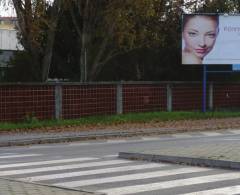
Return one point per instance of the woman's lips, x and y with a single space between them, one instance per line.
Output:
201 51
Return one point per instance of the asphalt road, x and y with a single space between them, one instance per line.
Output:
94 166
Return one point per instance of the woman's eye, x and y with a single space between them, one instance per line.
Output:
211 35
192 34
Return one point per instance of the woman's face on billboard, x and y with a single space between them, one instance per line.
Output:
199 34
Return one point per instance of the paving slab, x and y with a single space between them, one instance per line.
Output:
213 155
12 187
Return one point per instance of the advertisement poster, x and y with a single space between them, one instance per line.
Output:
210 39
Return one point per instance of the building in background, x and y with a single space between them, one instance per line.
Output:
8 42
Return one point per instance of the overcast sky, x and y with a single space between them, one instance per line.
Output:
9 11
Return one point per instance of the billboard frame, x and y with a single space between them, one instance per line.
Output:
205 71
204 14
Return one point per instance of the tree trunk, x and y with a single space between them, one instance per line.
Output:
46 62
27 15
47 58
82 59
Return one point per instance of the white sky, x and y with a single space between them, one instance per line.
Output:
6 12
9 11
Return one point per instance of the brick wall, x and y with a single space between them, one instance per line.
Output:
226 96
187 97
86 100
17 102
77 100
144 98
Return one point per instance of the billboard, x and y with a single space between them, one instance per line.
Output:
210 39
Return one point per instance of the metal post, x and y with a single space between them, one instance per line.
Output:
204 88
58 101
210 96
169 98
119 99
85 65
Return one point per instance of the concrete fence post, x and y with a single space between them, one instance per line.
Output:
119 98
58 101
169 98
210 96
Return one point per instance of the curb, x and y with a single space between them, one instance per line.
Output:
95 136
87 136
52 186
180 160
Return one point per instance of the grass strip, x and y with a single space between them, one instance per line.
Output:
118 119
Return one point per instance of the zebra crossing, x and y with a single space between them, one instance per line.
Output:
113 176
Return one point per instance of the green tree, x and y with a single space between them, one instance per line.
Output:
107 29
37 22
66 50
214 6
94 34
21 69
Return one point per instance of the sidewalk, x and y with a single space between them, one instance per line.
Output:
65 134
17 139
212 155
11 187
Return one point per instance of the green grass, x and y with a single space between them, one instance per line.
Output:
118 119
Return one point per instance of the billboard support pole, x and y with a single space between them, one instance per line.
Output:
204 99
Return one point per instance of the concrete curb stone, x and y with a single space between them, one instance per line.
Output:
181 160
32 185
19 140
60 137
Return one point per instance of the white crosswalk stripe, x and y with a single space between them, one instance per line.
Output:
62 167
116 141
19 156
219 191
130 177
171 184
49 162
93 172
150 138
114 176
182 135
211 133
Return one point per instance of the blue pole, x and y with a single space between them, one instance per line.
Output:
204 99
